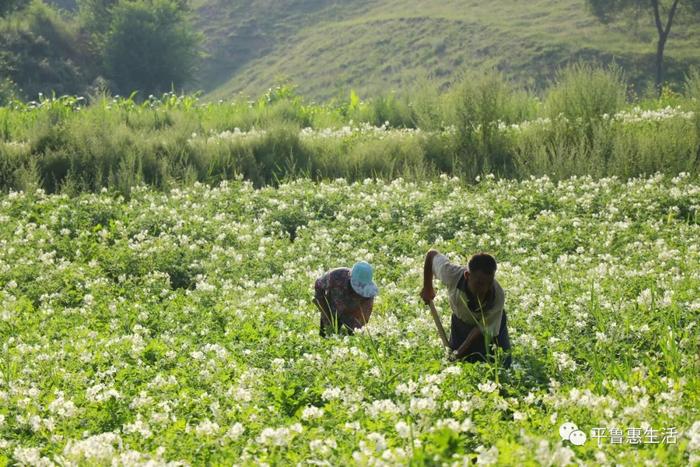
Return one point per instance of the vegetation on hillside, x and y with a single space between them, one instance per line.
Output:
328 47
325 47
664 12
146 46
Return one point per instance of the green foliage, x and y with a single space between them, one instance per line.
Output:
40 53
585 93
427 105
664 14
8 89
609 10
692 84
480 102
44 52
66 5
95 17
483 124
178 327
150 46
10 6
373 47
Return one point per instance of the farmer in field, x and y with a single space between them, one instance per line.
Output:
344 297
476 299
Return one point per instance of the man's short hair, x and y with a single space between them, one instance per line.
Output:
482 262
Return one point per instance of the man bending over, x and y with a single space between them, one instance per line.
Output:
476 299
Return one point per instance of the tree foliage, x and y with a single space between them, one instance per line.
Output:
39 54
150 45
9 6
664 13
95 15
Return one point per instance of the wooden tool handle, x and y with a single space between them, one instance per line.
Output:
438 324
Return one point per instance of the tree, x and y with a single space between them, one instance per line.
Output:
95 15
40 53
9 6
150 45
664 13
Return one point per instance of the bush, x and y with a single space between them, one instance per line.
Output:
584 92
478 103
10 6
150 46
692 85
8 90
427 106
40 54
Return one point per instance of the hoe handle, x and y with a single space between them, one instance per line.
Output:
438 324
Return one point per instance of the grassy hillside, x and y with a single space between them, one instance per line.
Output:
328 46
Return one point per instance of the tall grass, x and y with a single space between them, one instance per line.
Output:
476 126
478 103
692 91
584 93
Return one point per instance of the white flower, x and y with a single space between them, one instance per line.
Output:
31 456
406 388
553 418
100 392
562 456
63 408
323 447
564 361
354 426
645 298
487 387
139 426
382 406
403 429
378 440
207 428
693 434
331 393
422 404
487 456
205 286
235 431
279 436
95 448
311 412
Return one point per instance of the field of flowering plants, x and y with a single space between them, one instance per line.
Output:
177 327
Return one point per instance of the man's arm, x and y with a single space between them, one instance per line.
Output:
474 334
428 292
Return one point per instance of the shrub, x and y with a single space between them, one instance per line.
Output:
479 102
583 92
40 54
150 46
